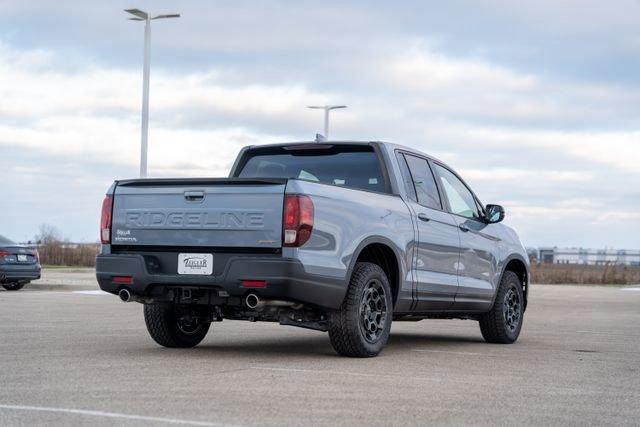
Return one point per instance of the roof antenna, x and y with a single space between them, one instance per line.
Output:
320 138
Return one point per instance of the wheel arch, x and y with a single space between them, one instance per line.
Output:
518 265
383 252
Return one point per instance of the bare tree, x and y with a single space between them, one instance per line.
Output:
48 234
56 250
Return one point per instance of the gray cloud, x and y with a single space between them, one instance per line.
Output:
512 96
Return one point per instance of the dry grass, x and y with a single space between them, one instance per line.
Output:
54 253
584 274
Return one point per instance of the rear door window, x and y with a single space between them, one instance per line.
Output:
424 182
406 177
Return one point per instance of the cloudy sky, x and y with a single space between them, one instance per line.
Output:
535 103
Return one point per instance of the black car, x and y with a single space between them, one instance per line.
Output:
19 265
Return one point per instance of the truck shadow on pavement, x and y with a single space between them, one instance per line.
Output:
306 346
400 339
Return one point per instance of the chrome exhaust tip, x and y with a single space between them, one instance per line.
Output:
125 295
252 301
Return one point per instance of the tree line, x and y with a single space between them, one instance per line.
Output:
56 250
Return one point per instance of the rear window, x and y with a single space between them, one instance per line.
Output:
345 166
5 241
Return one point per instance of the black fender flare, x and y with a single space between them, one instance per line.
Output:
384 241
507 260
368 241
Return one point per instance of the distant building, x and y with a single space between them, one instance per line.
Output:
557 255
533 255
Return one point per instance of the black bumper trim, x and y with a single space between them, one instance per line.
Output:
18 275
286 279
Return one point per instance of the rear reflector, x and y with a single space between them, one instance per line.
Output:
254 283
127 280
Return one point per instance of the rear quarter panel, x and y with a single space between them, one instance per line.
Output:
345 220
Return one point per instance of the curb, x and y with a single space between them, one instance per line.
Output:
59 287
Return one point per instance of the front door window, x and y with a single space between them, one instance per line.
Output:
460 198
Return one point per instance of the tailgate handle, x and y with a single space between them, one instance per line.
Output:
194 196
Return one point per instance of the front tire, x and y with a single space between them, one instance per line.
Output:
503 323
13 286
360 328
171 328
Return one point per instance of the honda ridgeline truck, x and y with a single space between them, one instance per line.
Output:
341 237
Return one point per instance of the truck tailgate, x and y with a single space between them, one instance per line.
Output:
224 212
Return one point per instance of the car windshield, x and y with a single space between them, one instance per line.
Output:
354 166
5 241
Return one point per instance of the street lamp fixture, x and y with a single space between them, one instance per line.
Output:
326 109
139 15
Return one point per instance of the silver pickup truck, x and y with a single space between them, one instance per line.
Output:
341 237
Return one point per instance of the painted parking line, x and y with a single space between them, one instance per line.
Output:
91 292
463 353
441 379
317 371
102 414
354 374
631 289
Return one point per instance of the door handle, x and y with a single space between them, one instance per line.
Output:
194 196
463 228
423 217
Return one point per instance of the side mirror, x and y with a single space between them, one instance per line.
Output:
494 213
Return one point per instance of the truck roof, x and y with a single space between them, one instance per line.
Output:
391 145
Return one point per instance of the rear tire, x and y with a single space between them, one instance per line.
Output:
171 328
503 323
360 328
13 286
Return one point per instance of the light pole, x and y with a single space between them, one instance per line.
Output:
144 16
326 109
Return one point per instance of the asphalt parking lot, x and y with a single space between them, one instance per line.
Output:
86 359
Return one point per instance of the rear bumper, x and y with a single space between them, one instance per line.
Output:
19 273
286 279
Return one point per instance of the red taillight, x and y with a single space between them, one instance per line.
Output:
253 283
297 222
105 220
4 254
